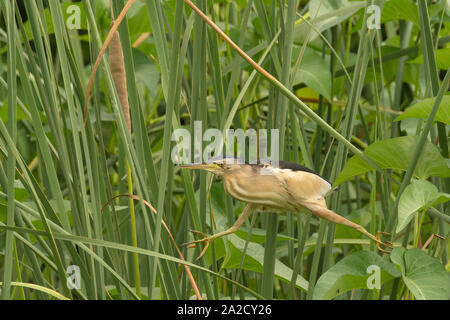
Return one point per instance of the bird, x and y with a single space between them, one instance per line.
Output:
266 186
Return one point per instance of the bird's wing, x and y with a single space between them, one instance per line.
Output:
303 185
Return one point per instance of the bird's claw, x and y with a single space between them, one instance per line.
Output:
205 239
380 243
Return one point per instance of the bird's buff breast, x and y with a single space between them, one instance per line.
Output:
265 191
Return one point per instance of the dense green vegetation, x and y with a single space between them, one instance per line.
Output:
358 91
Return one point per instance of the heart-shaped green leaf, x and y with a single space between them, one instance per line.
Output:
419 194
424 276
353 272
325 14
422 110
400 9
315 73
396 153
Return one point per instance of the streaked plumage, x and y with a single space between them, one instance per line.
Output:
286 187
274 189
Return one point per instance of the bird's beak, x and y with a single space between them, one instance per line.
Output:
201 166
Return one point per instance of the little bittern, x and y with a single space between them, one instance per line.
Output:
287 187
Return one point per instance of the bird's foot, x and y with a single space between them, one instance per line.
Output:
205 239
380 243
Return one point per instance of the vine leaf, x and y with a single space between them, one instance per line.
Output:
418 195
396 153
424 275
352 272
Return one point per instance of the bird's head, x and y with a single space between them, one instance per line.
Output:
219 165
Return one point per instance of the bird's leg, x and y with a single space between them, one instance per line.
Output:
379 242
208 239
318 207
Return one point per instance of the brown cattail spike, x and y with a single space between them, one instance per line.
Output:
117 66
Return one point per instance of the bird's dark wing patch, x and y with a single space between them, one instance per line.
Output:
294 166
